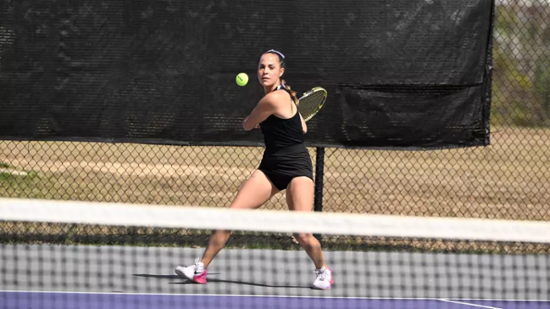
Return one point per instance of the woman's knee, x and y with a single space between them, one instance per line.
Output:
306 239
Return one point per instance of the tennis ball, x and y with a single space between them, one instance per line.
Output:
242 79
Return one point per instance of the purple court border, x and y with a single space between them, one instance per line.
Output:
70 300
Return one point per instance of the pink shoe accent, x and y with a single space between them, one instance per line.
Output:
200 278
331 279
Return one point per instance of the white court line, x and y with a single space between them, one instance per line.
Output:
502 300
468 304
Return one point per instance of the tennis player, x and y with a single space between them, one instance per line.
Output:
286 165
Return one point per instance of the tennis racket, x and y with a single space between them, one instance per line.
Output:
311 102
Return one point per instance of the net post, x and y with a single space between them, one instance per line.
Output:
319 174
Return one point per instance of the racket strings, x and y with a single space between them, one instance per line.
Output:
309 105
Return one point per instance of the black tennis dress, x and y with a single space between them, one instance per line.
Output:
285 155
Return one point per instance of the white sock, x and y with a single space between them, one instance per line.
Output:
200 268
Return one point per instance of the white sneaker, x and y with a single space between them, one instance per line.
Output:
324 279
195 273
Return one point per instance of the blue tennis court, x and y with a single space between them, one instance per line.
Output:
66 300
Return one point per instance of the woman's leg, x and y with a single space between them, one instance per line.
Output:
299 197
254 193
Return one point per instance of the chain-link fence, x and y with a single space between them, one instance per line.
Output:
510 179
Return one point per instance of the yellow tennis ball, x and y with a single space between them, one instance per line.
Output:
242 79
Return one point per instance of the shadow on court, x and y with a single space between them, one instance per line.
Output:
213 280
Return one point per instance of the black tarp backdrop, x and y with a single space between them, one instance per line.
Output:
400 74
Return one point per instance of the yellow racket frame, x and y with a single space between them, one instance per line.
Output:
320 104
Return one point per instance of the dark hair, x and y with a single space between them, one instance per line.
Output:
283 82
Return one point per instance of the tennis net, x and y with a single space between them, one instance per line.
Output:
68 254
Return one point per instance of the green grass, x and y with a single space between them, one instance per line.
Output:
65 234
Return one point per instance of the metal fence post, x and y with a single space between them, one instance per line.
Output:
319 174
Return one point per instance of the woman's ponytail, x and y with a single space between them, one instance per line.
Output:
289 90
